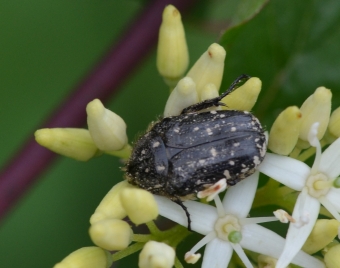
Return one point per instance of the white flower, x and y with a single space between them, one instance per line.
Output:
316 185
228 222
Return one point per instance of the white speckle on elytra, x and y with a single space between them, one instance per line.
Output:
213 152
244 170
201 161
256 160
213 112
160 168
155 144
227 174
236 144
196 128
146 170
143 151
222 115
209 131
176 130
231 162
233 129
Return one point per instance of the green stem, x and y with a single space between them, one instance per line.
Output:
178 264
153 228
175 235
128 251
295 153
141 238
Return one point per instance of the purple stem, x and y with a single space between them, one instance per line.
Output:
102 82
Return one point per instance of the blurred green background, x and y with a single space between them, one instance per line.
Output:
46 47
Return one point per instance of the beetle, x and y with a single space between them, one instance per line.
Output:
180 156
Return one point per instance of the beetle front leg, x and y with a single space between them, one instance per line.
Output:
216 101
178 201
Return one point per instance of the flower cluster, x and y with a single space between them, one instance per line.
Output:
296 134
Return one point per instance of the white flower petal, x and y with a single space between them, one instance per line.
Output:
330 160
261 240
239 198
305 207
202 216
333 196
217 254
290 172
240 252
329 206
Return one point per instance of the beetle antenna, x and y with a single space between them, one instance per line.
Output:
180 203
234 85
216 101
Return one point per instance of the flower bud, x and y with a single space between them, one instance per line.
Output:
110 206
182 96
208 92
208 68
156 255
334 123
285 131
107 129
75 143
266 261
87 257
332 257
244 97
317 108
172 51
140 205
323 233
111 234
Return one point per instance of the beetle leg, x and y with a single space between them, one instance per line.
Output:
216 101
180 203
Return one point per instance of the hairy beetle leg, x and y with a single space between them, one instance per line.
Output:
213 190
180 203
216 101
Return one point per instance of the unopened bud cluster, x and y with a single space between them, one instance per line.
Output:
203 82
108 230
106 133
290 129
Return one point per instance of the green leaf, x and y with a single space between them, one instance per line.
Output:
292 46
245 11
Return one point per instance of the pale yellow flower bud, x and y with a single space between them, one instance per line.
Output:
332 257
208 92
244 97
140 205
266 261
172 51
208 68
182 96
156 255
317 108
107 129
334 123
285 131
111 206
71 142
111 234
323 233
87 257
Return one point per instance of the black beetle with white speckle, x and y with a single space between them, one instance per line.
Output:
185 154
